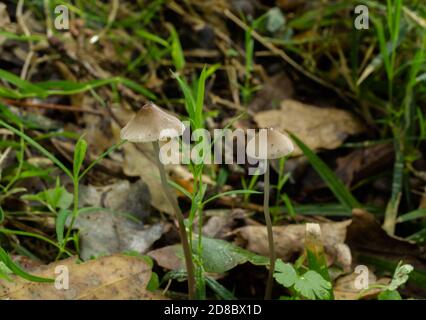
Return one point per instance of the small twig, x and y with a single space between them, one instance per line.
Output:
49 32
267 44
23 26
3 156
52 106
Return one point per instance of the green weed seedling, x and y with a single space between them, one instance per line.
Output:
303 285
399 278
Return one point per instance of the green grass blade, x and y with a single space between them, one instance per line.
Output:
25 86
152 37
229 193
99 158
342 193
41 149
2 215
4 257
413 215
220 290
177 52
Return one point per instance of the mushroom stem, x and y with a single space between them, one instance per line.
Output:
268 221
182 231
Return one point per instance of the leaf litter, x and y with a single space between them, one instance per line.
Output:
122 195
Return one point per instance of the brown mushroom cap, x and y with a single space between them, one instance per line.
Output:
277 145
150 124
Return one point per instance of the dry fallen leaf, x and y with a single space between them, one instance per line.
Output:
365 235
137 163
121 196
167 257
362 163
290 240
116 277
319 128
4 16
344 287
274 90
221 222
104 232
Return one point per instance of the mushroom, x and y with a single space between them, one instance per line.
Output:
277 145
151 124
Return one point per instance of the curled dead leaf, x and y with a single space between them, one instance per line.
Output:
318 128
290 241
116 277
345 287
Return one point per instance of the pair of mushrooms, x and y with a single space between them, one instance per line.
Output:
151 124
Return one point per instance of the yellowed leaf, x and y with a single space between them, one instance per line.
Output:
344 288
318 128
290 240
116 277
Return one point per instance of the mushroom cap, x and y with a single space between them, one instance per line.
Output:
150 124
275 146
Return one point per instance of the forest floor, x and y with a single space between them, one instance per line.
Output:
345 80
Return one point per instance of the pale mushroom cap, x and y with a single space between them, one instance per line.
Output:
150 124
269 144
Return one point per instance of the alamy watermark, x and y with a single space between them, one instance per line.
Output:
225 146
62 280
362 20
62 18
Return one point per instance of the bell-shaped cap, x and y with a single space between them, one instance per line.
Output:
269 144
150 124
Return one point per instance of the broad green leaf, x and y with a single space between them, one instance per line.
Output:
154 282
220 290
4 257
312 286
317 260
334 183
58 197
389 295
219 256
285 274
